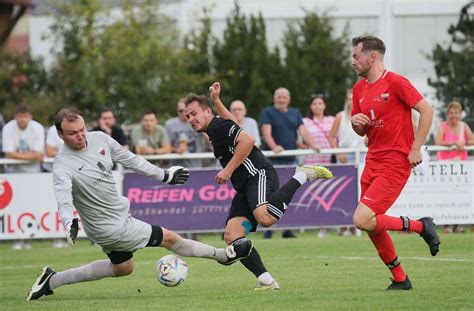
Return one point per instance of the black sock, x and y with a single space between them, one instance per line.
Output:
254 263
279 200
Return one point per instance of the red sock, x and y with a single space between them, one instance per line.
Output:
385 222
384 245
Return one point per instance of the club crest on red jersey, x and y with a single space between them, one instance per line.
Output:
385 96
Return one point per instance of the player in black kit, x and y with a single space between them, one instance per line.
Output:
259 199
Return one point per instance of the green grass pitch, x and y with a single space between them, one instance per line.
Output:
336 273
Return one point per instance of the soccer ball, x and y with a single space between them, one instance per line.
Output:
171 270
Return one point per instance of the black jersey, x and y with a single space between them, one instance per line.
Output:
223 135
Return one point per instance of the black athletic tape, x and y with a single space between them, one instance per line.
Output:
393 264
406 223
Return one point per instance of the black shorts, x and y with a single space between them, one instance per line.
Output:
256 191
119 257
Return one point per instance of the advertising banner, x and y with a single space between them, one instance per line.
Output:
444 191
203 205
28 207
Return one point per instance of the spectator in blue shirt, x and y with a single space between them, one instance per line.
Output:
280 126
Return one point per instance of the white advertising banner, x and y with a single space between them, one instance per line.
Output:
28 207
444 191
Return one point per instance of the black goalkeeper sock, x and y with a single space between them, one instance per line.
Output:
279 200
254 263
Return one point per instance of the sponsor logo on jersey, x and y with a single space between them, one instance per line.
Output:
374 122
101 166
106 174
381 98
372 114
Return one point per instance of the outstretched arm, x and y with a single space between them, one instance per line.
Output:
62 185
215 91
173 175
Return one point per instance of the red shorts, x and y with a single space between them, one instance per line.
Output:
383 180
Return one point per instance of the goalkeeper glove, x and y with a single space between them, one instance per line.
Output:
72 229
176 175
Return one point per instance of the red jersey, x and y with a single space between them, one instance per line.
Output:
388 103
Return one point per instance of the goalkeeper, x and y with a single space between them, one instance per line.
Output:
83 180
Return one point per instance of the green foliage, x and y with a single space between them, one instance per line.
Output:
196 57
317 62
243 64
126 63
136 60
454 64
23 79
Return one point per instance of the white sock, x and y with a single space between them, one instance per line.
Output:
265 278
94 271
301 177
191 248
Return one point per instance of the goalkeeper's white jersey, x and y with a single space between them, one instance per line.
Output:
83 179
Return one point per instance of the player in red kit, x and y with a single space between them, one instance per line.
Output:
382 110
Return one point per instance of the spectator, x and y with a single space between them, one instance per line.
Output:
149 137
239 111
183 138
23 139
318 124
456 134
53 142
280 126
342 135
107 124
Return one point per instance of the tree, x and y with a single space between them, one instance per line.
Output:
317 62
23 79
454 65
243 64
197 58
127 63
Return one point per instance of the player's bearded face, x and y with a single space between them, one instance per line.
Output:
360 61
198 117
74 133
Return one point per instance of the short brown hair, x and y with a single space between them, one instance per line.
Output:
68 114
455 105
202 100
148 111
22 108
369 43
105 110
